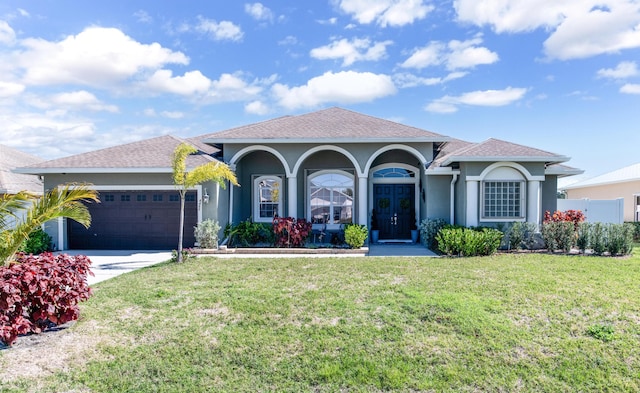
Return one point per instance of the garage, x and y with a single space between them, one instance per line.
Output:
135 220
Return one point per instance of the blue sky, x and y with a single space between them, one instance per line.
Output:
560 75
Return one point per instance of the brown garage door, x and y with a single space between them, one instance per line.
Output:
135 220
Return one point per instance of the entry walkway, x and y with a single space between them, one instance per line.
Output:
399 250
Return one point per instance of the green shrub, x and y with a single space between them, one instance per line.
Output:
429 229
598 238
206 233
619 239
521 235
636 229
584 234
468 242
248 233
355 235
559 235
38 242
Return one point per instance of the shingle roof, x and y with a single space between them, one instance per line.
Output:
329 124
626 174
10 182
493 149
149 154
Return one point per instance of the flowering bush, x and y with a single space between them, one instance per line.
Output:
557 234
39 291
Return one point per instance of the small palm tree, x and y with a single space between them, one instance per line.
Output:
64 201
183 179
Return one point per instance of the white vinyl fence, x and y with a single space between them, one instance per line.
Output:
596 210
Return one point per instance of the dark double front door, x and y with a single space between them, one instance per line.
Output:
395 209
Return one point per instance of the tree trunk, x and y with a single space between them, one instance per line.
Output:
181 234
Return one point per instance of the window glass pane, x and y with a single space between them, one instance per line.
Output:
331 199
502 199
269 194
393 173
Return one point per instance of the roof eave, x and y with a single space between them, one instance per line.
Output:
216 141
545 159
42 171
563 172
600 184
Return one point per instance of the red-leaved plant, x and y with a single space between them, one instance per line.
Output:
40 291
291 232
575 216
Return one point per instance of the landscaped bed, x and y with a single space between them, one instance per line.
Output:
508 322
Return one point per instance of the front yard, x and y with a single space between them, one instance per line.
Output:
511 322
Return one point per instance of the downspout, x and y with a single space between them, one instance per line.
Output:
453 199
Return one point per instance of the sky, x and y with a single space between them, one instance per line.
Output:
558 75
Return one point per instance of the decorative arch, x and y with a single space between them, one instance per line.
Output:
253 148
508 164
396 146
338 149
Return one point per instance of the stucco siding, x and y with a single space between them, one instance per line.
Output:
437 195
549 195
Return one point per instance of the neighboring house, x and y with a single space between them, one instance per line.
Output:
621 183
12 183
330 167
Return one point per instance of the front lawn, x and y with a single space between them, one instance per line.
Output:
512 322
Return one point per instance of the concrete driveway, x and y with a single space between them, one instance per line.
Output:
110 263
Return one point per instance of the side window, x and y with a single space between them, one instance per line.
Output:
267 198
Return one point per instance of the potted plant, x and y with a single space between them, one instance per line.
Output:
414 227
375 232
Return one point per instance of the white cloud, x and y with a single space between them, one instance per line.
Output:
450 104
233 87
454 56
346 87
142 16
578 29
405 80
82 99
256 108
8 89
172 114
221 31
150 112
190 83
95 57
386 12
623 70
630 88
7 35
288 40
358 49
258 12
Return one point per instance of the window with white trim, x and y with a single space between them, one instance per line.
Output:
503 199
267 198
330 196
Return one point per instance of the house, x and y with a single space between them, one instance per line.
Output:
621 183
12 183
330 167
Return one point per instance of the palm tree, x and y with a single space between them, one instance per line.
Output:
64 201
183 179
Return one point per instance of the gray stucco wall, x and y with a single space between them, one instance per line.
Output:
549 194
438 191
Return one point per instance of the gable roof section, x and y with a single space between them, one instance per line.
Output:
499 150
149 155
12 183
627 174
330 125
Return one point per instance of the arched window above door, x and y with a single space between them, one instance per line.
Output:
394 172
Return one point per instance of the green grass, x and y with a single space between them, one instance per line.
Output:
515 322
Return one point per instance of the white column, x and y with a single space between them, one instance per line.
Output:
533 202
231 188
292 196
472 203
362 201
61 236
